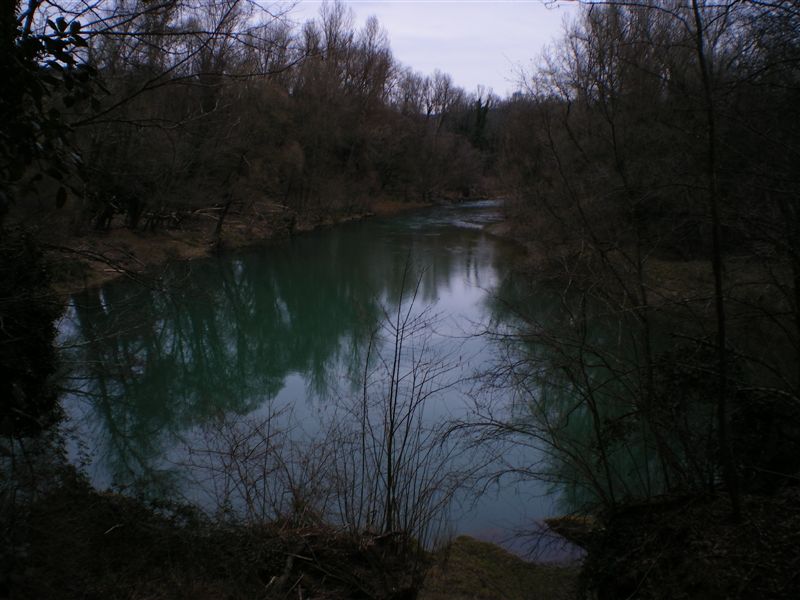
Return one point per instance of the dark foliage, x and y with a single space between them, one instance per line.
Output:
27 355
690 548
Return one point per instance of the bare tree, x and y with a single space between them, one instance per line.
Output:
612 186
381 466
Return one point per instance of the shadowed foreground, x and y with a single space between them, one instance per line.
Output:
75 542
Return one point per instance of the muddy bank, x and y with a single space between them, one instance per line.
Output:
96 257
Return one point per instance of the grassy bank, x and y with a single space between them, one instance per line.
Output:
469 569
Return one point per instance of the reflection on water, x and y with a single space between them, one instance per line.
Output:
610 429
287 325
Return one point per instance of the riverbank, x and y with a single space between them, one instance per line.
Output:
70 541
469 569
96 257
690 544
691 547
672 282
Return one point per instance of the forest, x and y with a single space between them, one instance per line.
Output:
647 168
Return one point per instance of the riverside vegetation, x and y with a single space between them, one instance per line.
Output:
650 168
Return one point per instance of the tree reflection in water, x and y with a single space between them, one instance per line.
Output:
284 325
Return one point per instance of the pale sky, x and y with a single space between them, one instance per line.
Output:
475 41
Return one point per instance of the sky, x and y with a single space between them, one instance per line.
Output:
483 42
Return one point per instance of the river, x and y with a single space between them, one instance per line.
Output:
288 333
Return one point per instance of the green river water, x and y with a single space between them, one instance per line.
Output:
287 325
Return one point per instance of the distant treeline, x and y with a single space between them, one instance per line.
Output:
645 109
186 105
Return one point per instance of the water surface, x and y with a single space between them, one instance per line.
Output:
285 325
